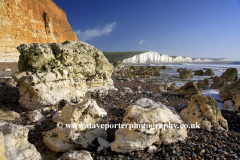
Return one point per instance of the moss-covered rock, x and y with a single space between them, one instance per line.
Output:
205 111
230 75
148 70
55 72
199 72
218 82
164 67
118 64
173 87
185 74
228 92
206 83
181 69
188 90
132 67
209 72
237 101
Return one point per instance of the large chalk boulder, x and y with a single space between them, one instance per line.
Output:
205 111
135 136
14 144
79 126
161 88
55 72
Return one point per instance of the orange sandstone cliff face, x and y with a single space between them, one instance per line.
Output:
31 21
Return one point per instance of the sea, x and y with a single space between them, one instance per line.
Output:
172 76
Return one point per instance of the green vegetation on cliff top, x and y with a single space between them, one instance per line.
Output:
119 56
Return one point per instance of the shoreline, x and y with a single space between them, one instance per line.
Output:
180 63
199 143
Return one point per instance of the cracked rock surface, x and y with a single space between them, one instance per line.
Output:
50 74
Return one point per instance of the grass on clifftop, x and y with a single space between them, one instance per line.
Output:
119 56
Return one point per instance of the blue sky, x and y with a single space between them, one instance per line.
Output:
194 28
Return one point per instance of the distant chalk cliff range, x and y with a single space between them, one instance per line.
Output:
154 57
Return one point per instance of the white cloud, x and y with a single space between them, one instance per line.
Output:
96 32
175 44
141 42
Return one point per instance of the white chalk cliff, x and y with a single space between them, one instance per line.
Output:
201 60
154 57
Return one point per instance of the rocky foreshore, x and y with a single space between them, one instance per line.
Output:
71 84
200 143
